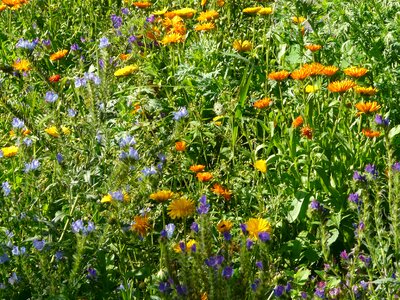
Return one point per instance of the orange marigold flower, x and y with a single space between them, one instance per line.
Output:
263 103
3 7
220 190
307 132
370 133
197 168
22 65
204 176
341 86
368 91
123 56
297 122
367 107
279 75
298 20
161 196
208 15
252 10
58 55
142 4
172 38
242 46
300 74
55 78
224 226
313 47
141 225
220 3
314 68
329 70
355 72
204 27
180 146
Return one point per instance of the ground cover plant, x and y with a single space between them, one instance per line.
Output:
203 150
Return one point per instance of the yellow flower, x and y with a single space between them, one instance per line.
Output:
9 151
217 121
204 176
160 12
307 132
265 11
204 27
107 198
208 15
188 246
261 165
220 3
185 12
172 39
181 208
141 225
22 65
355 72
3 7
65 130
224 226
242 46
161 196
367 107
255 226
329 70
311 89
58 55
369 91
125 71
298 20
252 10
52 131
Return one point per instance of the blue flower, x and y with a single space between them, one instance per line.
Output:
17 123
259 265
127 141
80 82
13 278
39 245
33 165
204 207
214 261
5 186
118 195
371 169
181 113
125 11
4 258
379 120
59 255
358 177
116 21
50 97
77 226
75 47
169 230
354 198
92 274
195 227
315 205
279 290
396 167
227 236
59 158
164 287
182 290
264 236
28 142
227 272
25 44
149 171
344 255
72 112
249 244
255 284
104 43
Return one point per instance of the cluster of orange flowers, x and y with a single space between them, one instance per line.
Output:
12 4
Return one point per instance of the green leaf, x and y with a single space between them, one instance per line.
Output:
334 235
394 131
301 277
299 204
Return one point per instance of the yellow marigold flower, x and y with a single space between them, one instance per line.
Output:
126 196
329 70
58 55
26 132
203 2
65 130
141 225
197 168
279 75
12 133
263 103
341 86
355 72
220 3
125 71
307 132
313 47
172 38
216 120
204 296
22 65
144 4
265 11
208 15
162 196
298 20
368 91
9 151
204 27
220 190
255 226
261 165
106 199
188 246
242 46
180 146
252 10
160 12
367 107
3 7
370 133
185 12
311 89
224 226
297 122
52 131
204 176
181 208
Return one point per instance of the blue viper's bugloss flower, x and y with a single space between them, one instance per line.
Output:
259 265
59 158
214 261
249 244
39 245
227 236
116 21
75 47
194 227
4 258
255 284
46 43
127 141
181 113
243 227
344 255
17 123
181 290
147 171
315 205
204 207
27 141
354 198
358 177
25 44
125 11
33 165
5 186
303 295
396 167
371 169
104 43
264 236
18 251
169 230
72 112
50 97
279 290
91 273
59 255
164 287
150 19
118 195
80 82
13 278
227 272
78 227
379 120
